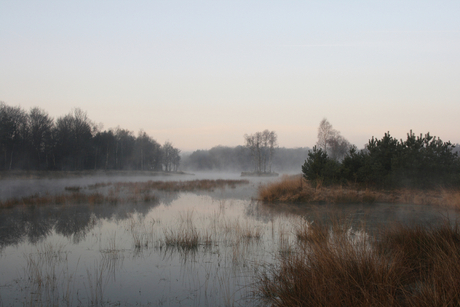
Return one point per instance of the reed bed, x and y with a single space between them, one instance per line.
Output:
182 238
179 186
136 192
295 189
403 266
62 199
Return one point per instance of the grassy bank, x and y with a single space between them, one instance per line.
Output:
295 189
403 266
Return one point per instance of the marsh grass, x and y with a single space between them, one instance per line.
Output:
142 232
48 280
73 188
197 239
96 284
295 189
59 199
47 276
312 232
404 266
179 186
451 198
50 253
135 192
184 238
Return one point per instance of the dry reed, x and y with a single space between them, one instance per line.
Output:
179 186
295 189
405 266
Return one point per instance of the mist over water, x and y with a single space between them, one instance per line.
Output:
131 252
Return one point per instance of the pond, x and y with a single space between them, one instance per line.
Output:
194 248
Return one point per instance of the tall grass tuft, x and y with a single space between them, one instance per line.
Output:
404 266
295 189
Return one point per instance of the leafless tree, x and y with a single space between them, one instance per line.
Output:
176 159
330 140
171 157
338 147
13 132
325 133
262 146
250 143
273 144
40 134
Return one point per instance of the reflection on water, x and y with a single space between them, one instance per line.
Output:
183 249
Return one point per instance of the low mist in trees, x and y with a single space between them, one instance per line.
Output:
260 153
34 141
240 158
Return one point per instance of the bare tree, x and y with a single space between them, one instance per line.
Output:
273 144
330 140
13 132
176 159
125 145
250 143
338 147
40 134
74 133
265 149
262 146
325 132
171 157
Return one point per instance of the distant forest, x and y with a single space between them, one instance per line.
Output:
35 141
240 158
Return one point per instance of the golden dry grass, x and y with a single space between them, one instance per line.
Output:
406 266
295 189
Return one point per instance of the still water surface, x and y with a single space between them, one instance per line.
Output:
131 254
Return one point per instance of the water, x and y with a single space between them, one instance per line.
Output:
137 253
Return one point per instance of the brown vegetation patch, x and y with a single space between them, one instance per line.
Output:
137 192
295 189
179 186
406 266
60 199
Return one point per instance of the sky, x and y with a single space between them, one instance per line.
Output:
204 73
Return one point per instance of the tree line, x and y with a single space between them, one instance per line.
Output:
422 161
240 158
35 141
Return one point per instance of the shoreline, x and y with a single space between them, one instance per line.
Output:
21 174
295 190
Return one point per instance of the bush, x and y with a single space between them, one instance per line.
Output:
419 162
320 169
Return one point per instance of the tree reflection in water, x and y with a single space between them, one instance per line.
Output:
34 223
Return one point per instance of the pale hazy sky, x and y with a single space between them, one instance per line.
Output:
204 73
